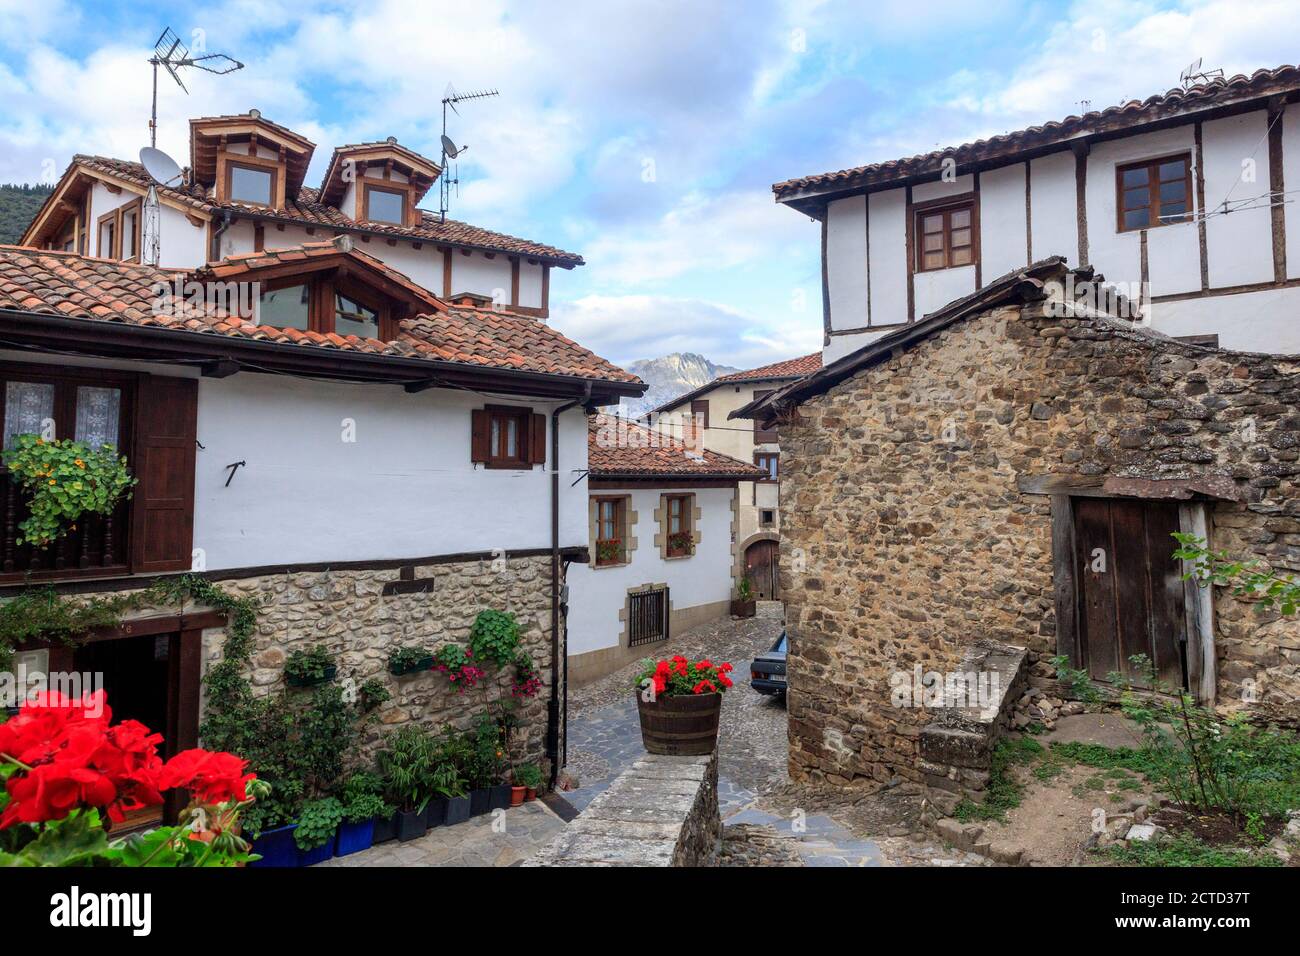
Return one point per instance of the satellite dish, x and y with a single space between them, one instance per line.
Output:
161 168
449 147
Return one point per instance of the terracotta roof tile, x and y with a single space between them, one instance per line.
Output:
1131 113
618 448
104 290
790 368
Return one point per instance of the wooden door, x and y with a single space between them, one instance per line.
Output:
1130 589
762 562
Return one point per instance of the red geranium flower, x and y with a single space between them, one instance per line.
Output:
706 687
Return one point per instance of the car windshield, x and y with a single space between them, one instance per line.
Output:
780 645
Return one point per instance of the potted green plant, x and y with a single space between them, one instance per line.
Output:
487 759
362 807
410 659
310 667
679 702
65 479
744 605
530 777
317 827
681 543
407 766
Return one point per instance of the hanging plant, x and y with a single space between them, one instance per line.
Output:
65 480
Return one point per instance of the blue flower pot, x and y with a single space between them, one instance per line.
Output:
276 847
501 796
385 828
480 801
355 837
318 855
457 810
435 812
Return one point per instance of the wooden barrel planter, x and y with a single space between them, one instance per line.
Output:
680 726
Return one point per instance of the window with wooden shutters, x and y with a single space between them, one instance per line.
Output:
503 436
611 531
90 406
165 442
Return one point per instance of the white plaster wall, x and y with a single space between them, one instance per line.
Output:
530 285
846 262
1002 221
842 345
182 245
939 189
477 273
1239 246
1054 220
933 290
597 594
1173 251
1263 321
1291 178
888 216
404 488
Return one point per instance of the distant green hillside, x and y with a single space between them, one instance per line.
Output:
18 205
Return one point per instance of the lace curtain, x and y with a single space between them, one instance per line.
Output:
29 406
97 415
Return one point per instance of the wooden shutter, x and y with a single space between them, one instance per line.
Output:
480 435
166 427
537 440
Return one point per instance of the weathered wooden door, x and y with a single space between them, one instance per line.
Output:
762 563
1130 588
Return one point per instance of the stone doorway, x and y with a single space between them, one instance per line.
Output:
762 566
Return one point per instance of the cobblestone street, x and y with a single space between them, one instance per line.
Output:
768 821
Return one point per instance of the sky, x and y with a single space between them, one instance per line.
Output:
644 135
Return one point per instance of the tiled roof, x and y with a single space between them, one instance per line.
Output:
66 284
790 368
618 448
307 210
1132 113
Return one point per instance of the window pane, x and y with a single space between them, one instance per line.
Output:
1136 219
933 242
1173 192
128 234
960 218
1137 198
250 185
934 260
383 206
1175 170
284 308
1135 177
105 250
962 256
1170 212
353 318
29 406
932 223
960 237
97 416
512 438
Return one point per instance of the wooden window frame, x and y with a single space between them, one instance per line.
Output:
1152 166
945 207
523 419
66 381
228 161
321 289
384 186
763 436
761 456
621 505
687 516
700 405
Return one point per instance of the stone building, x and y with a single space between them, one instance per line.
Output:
951 487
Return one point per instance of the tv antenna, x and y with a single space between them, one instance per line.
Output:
449 148
173 56
1194 75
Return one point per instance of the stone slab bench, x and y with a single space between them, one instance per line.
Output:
661 811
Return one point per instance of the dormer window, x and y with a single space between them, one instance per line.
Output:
385 205
325 303
353 318
250 184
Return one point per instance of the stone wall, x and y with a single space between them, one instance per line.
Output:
906 536
661 811
347 612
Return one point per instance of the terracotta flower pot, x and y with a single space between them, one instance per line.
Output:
517 795
680 726
532 793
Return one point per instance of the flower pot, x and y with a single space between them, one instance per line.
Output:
435 812
295 681
517 795
423 664
457 810
317 855
276 847
501 796
354 837
410 824
680 726
480 801
744 608
385 828
532 793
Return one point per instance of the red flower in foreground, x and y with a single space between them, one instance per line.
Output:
706 687
210 777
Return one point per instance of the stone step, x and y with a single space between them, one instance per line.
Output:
774 610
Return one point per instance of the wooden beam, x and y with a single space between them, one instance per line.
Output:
1210 485
1200 208
1064 586
1198 608
514 280
1277 186
1080 150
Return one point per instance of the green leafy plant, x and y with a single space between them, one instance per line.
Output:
681 543
43 615
1077 683
1183 850
1002 793
1253 579
409 659
745 589
318 823
529 775
408 766
494 636
363 798
487 753
65 479
310 666
610 551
